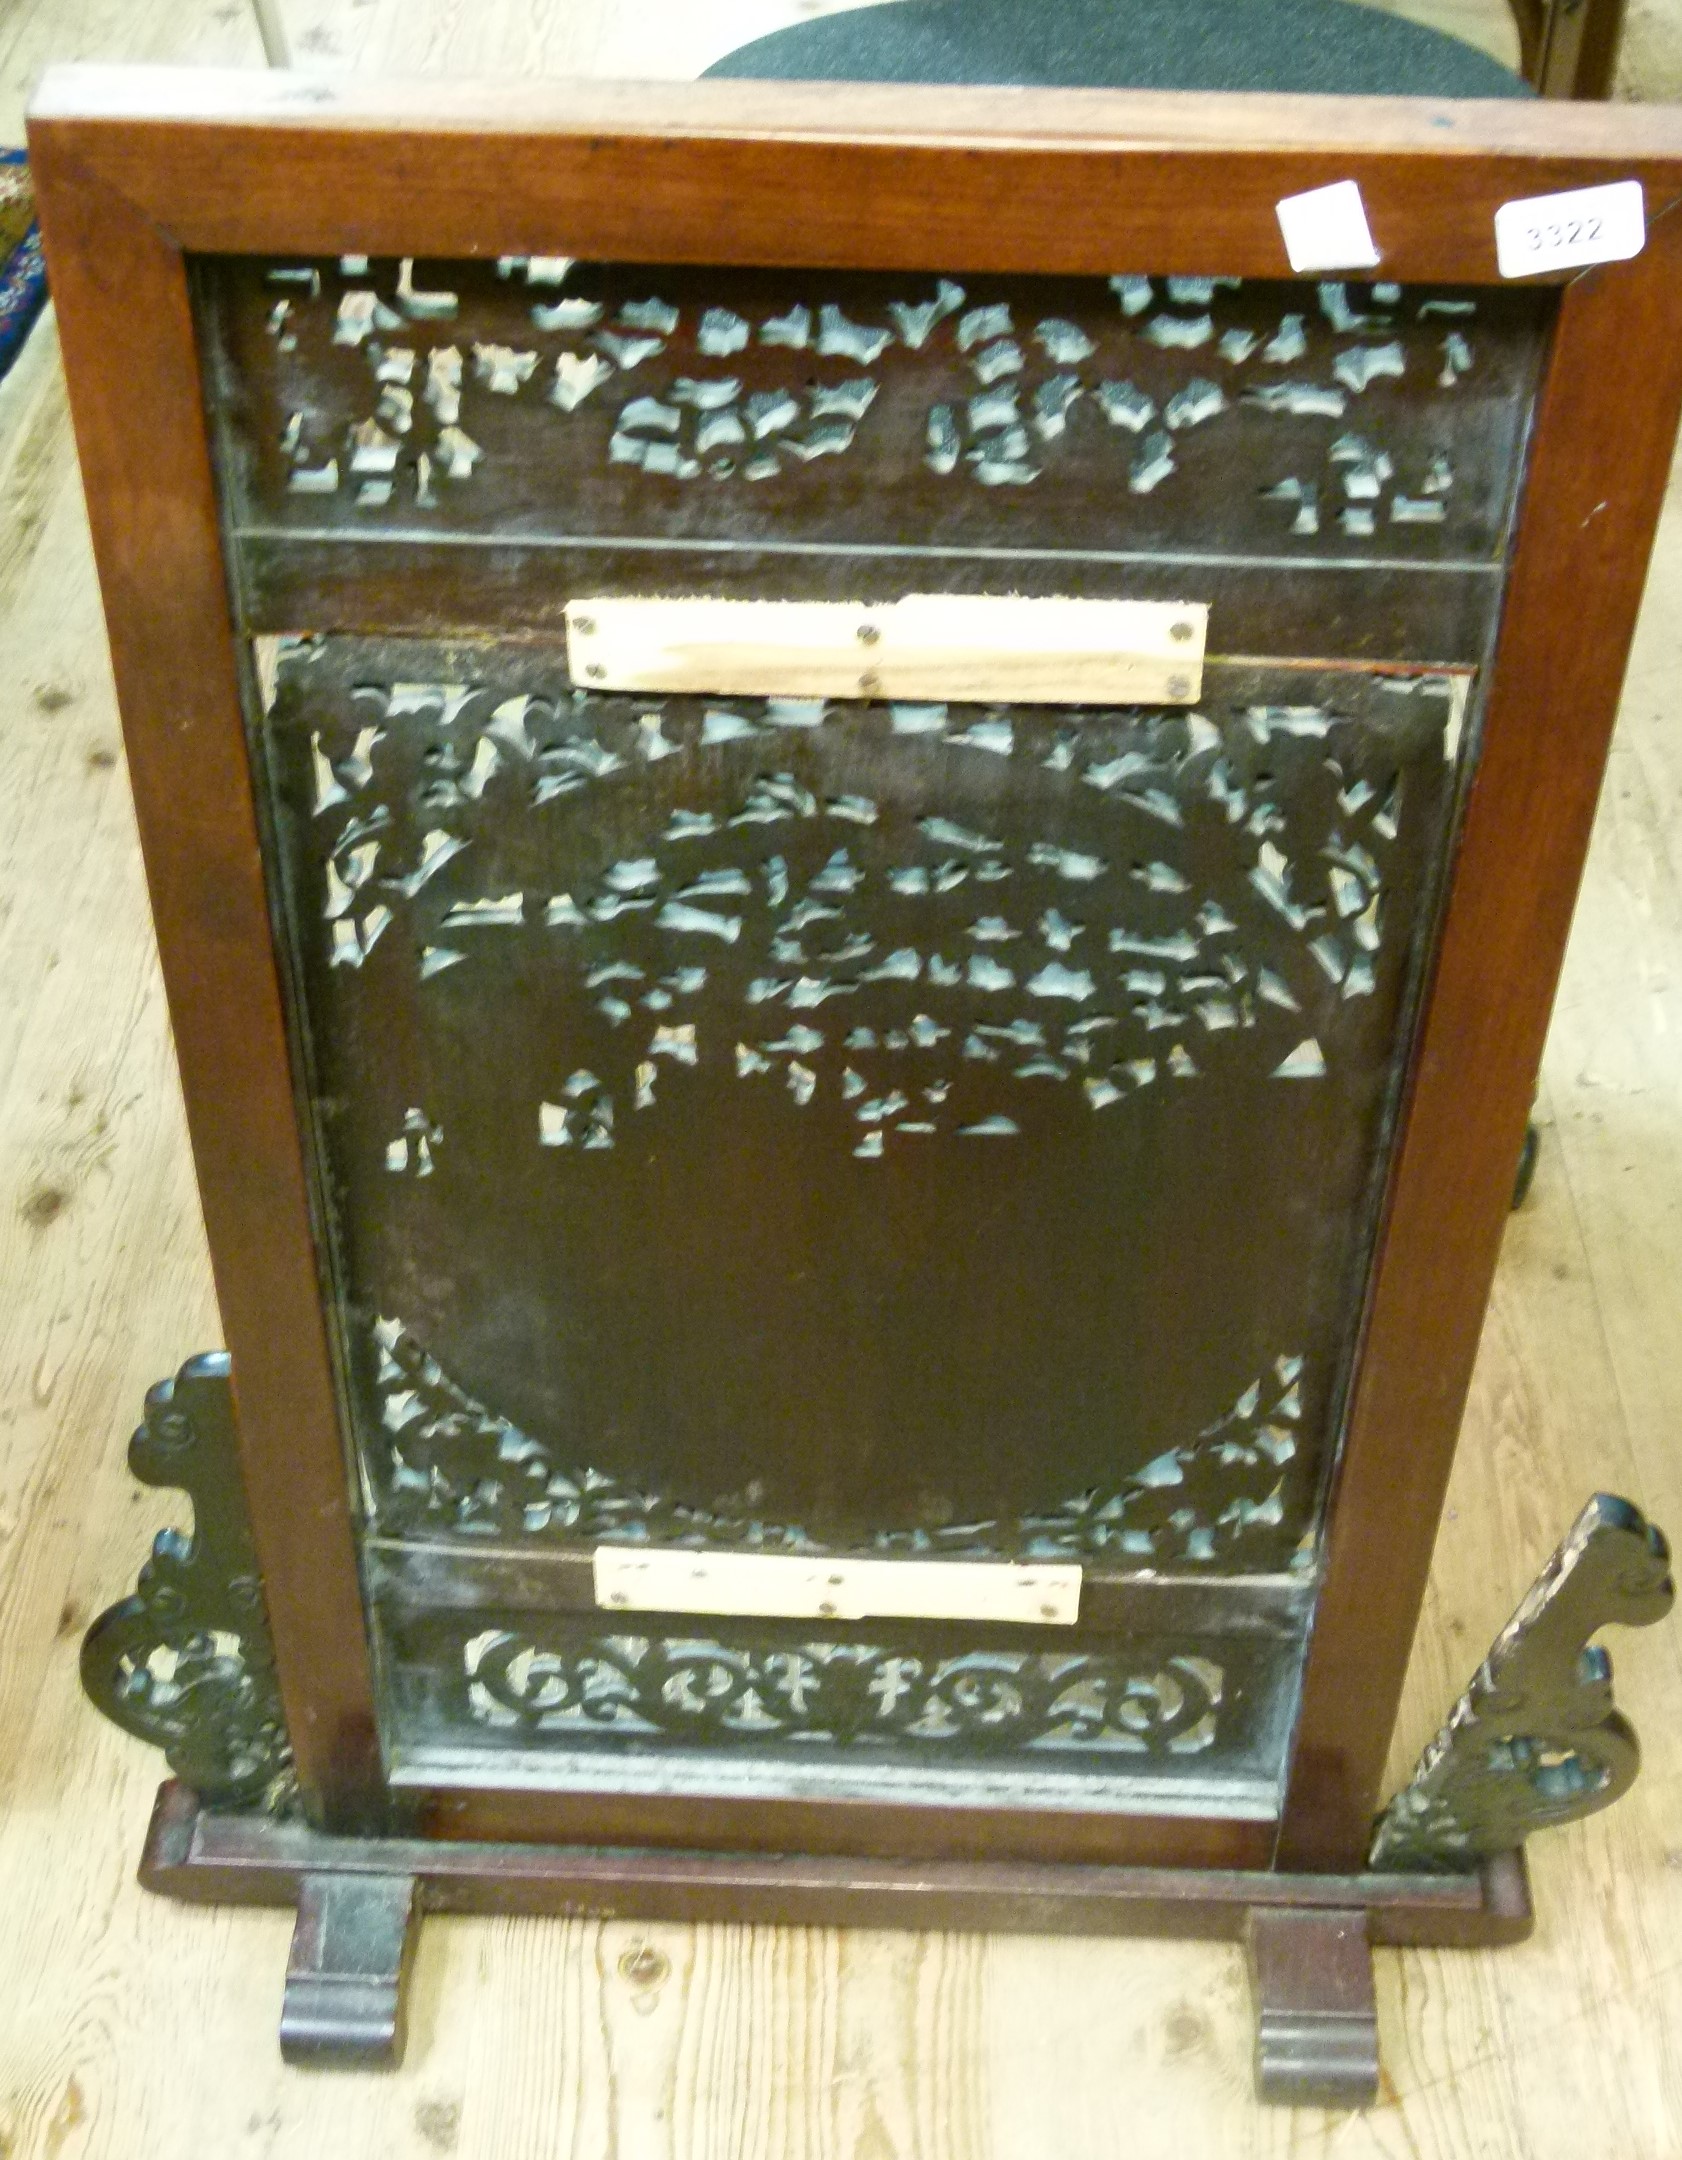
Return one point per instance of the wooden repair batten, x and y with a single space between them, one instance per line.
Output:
968 648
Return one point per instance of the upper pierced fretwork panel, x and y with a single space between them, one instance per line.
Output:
539 400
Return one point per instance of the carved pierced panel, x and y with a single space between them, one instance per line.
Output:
841 1694
186 1662
1171 1705
448 1462
1535 1740
535 397
877 1127
881 1127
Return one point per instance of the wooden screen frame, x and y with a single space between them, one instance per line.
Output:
137 168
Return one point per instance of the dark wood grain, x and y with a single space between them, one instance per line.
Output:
881 1829
1316 2013
1603 440
128 345
347 1975
207 1858
1370 615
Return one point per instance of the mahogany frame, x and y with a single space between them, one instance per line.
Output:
137 169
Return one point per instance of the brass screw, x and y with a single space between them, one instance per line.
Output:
1179 631
1048 1612
1179 686
584 625
868 633
870 682
595 672
826 1610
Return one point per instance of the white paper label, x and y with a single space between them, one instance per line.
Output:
1562 232
631 1578
1327 229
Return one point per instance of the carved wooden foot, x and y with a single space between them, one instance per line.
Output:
1316 2014
348 1973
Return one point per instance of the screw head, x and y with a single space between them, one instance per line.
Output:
595 672
1179 686
1179 632
868 633
585 625
870 682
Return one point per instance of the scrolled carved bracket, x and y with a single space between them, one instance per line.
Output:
186 1662
1535 1740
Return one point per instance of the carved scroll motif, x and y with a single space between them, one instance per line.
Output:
186 1663
843 1693
1535 1739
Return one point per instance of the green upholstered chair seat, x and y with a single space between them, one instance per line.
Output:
1283 45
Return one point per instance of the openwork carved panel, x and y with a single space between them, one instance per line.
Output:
992 1092
842 1694
745 408
1535 1739
453 1464
933 1129
186 1662
1174 1703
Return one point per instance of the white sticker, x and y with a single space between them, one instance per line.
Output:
1327 229
1561 232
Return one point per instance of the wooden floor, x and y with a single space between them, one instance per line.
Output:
133 2028
633 38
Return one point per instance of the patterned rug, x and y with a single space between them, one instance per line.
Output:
23 274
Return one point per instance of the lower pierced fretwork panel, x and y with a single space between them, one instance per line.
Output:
1156 1720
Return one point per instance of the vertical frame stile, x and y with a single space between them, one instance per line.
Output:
1600 456
121 290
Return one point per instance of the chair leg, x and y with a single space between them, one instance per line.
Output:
1526 1173
1578 54
272 31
